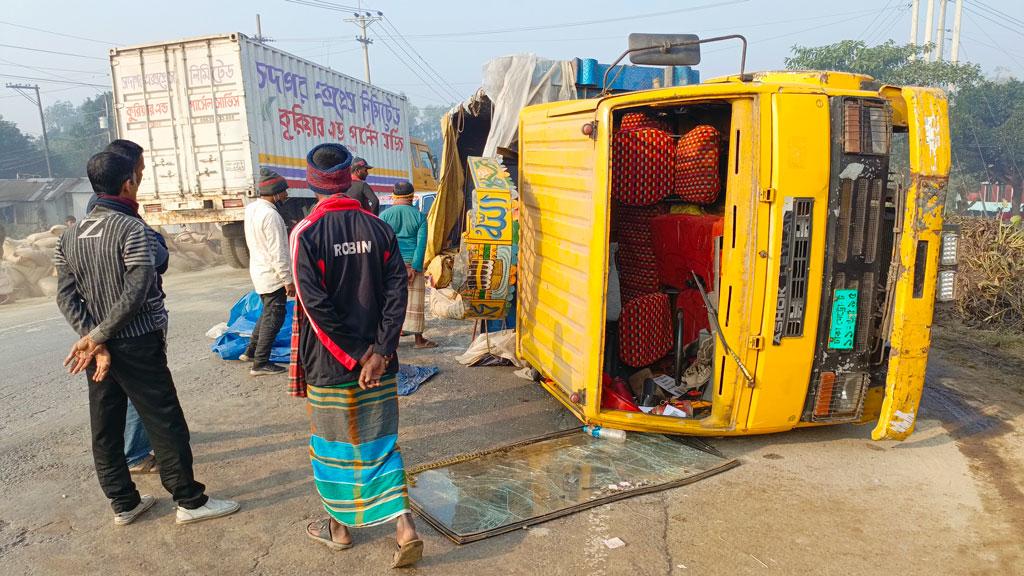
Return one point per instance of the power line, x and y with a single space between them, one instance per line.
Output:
55 90
996 12
979 42
997 46
37 79
880 33
436 74
842 20
413 70
74 70
38 70
582 22
873 20
1016 31
588 38
395 42
30 49
105 42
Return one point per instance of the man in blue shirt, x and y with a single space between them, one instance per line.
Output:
410 226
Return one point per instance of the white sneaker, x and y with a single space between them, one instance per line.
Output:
243 357
212 509
125 518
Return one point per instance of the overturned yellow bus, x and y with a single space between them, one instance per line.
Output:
751 224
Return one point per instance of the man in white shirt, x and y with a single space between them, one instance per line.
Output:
270 269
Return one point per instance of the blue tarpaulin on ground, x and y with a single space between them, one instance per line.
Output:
241 321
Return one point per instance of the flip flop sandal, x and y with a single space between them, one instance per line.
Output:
147 466
324 536
408 554
425 345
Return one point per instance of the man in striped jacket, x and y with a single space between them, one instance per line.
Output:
107 292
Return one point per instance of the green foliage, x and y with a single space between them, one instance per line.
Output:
75 134
988 129
986 117
426 125
19 153
901 65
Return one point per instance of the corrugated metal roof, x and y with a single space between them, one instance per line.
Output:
41 189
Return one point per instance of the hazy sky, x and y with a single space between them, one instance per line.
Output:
456 38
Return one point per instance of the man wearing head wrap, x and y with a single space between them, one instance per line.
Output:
269 268
410 226
350 290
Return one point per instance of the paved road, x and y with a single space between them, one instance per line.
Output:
824 501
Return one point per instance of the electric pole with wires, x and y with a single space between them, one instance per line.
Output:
22 89
364 20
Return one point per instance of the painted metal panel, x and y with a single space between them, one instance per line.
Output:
296 105
799 169
211 111
563 249
928 124
184 102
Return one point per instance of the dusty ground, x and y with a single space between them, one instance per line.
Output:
827 501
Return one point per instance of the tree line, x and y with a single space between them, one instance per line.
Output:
986 116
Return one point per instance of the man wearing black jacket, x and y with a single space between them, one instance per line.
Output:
360 189
351 289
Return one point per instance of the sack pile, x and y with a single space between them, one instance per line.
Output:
27 267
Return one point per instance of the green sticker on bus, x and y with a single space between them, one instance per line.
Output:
844 320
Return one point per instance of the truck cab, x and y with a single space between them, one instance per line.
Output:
750 224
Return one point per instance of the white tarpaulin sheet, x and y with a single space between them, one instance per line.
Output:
514 82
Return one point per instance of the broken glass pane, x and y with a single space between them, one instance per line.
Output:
509 488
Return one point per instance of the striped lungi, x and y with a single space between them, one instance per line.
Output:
357 466
414 321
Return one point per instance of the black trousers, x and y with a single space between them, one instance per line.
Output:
267 326
138 371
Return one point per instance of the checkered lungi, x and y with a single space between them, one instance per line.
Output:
414 309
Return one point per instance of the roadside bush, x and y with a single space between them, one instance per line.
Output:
990 281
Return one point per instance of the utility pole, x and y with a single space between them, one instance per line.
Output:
364 21
929 17
955 51
42 121
259 32
940 32
107 116
915 9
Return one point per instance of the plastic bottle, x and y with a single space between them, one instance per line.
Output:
605 433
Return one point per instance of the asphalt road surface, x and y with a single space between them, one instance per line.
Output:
822 501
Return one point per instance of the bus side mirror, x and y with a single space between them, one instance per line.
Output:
664 49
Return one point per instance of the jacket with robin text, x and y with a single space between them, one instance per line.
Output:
351 281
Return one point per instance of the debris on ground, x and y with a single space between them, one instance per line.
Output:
613 543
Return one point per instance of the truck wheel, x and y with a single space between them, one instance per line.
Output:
236 253
233 230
